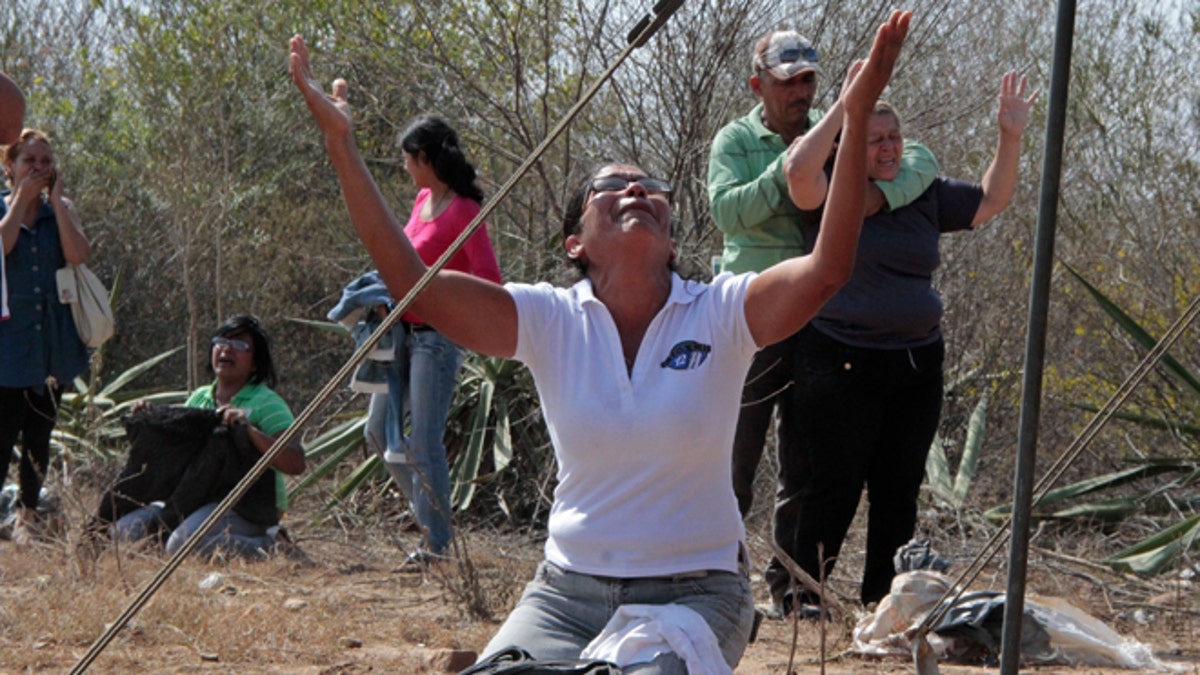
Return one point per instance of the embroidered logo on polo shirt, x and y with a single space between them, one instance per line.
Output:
686 355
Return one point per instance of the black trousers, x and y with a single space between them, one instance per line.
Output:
866 418
768 384
28 414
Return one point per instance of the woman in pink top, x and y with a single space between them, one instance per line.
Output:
426 367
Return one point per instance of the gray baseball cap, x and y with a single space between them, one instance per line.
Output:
786 54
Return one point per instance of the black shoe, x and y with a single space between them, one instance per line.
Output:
286 546
759 615
805 611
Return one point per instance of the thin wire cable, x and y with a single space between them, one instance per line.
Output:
1059 467
645 29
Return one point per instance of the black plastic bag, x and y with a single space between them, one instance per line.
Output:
517 661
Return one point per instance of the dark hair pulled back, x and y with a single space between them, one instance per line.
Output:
438 140
248 324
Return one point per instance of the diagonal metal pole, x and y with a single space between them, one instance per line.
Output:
1035 339
642 32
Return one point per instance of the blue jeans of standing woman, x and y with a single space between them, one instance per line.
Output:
420 382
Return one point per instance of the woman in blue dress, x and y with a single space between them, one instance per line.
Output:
40 349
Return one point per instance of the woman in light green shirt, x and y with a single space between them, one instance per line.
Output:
241 393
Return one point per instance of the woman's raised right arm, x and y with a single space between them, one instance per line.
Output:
806 157
474 313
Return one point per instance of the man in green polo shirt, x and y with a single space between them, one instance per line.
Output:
748 194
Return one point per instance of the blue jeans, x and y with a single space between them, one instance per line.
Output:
420 382
560 612
137 525
232 534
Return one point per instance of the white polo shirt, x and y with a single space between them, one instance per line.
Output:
644 484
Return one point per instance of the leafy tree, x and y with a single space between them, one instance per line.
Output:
203 184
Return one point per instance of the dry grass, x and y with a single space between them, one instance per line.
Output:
343 610
346 610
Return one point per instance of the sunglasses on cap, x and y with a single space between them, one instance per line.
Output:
239 345
794 54
654 186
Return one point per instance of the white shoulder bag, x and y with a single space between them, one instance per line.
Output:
80 288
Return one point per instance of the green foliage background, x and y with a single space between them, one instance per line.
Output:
202 181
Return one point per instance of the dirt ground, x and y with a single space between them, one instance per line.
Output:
344 608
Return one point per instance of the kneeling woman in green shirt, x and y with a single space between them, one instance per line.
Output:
241 361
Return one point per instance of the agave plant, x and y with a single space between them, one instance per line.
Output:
89 418
1156 553
951 491
487 394
1051 505
329 450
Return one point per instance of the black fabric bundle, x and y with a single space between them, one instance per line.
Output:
185 458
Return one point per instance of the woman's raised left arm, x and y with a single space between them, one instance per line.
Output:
1000 181
475 313
783 298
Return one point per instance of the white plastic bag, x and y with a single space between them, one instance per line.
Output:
1076 638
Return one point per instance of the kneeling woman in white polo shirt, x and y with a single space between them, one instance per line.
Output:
639 373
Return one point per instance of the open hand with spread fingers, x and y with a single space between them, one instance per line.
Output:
332 111
858 98
1014 105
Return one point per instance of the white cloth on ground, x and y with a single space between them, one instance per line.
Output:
638 633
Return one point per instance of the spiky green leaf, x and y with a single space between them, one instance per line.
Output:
467 466
327 326
937 473
1152 555
976 428
131 374
1135 330
1104 482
